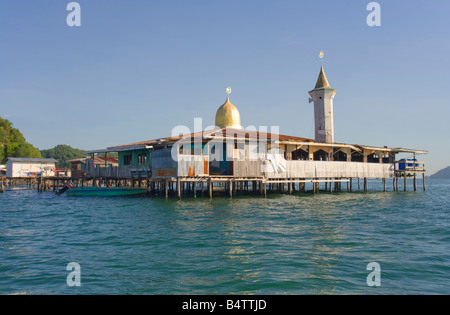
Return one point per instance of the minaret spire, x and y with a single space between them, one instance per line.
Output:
322 81
323 96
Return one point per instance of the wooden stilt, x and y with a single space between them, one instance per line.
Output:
230 188
179 188
166 187
194 184
423 182
265 189
210 188
404 181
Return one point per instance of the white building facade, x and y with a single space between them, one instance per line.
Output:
27 167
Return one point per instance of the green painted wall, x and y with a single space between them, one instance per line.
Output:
135 157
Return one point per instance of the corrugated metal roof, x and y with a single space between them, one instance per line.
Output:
221 133
97 160
31 160
227 133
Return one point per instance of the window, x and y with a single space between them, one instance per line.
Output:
142 159
127 159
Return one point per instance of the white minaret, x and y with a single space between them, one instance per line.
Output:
323 96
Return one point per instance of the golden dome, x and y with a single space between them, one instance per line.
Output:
228 116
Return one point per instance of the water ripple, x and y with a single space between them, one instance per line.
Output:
298 244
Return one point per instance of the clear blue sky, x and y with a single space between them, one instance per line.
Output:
135 69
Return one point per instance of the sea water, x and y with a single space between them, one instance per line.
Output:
283 244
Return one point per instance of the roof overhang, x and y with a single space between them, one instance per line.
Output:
393 150
121 149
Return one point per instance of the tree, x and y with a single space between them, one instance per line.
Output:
63 153
13 144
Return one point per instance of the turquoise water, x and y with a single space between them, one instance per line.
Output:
299 244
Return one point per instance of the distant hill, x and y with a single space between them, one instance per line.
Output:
442 174
63 153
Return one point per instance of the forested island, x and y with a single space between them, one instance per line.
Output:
13 144
442 174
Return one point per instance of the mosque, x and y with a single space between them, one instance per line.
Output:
231 154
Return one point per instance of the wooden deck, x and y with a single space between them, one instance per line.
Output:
250 178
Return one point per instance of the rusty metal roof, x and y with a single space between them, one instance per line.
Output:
217 133
97 160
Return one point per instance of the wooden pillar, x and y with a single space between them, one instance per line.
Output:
423 181
265 189
384 184
2 188
179 188
166 187
203 188
194 184
404 181
359 186
230 188
366 185
415 182
210 184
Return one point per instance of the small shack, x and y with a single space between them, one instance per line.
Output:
78 166
29 167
